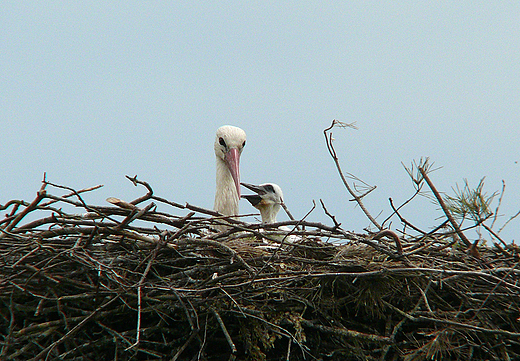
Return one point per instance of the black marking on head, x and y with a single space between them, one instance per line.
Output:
269 188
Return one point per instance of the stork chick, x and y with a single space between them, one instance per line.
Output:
268 200
229 143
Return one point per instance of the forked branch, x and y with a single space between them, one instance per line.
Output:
357 197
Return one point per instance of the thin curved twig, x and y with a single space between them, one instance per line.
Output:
333 154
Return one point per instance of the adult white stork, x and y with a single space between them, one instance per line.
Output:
229 143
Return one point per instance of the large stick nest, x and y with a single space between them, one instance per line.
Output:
128 282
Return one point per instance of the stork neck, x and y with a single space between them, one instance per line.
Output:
269 213
226 196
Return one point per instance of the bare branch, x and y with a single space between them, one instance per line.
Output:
332 152
454 224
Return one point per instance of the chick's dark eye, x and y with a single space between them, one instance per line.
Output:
244 144
222 142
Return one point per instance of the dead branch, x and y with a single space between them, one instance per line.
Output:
444 208
333 154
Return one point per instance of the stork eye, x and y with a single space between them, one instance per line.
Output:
244 144
269 188
222 142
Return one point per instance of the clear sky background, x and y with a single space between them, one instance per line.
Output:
92 91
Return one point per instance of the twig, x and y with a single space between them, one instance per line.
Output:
487 274
444 208
165 201
220 245
39 196
346 333
509 220
452 323
332 152
186 312
479 309
401 218
183 347
494 234
139 292
147 196
224 330
136 214
499 203
5 346
398 327
82 203
424 297
336 223
391 234
203 344
113 332
284 206
72 193
45 352
289 343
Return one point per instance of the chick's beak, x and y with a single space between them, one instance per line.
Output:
254 188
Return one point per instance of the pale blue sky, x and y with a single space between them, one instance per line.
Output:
93 90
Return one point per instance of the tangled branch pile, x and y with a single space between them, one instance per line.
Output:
130 282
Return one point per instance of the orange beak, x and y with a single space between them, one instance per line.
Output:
233 163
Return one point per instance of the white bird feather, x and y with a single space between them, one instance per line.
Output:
229 143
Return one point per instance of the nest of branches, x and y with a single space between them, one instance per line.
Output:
127 281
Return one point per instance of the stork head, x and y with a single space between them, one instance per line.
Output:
229 143
268 200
